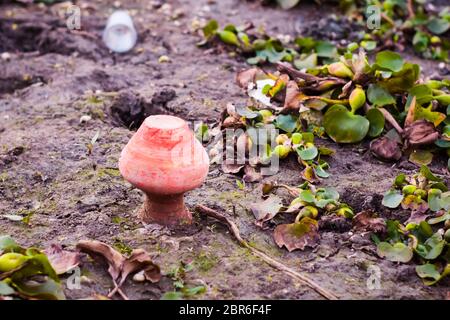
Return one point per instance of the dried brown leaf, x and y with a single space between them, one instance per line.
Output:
386 149
113 257
62 260
420 132
298 235
367 221
266 210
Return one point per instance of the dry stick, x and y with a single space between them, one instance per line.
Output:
389 118
118 290
269 260
410 9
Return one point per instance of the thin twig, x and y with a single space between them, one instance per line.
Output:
410 9
117 290
389 118
389 20
269 260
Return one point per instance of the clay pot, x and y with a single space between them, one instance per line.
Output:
164 160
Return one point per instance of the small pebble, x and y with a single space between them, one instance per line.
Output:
85 118
6 56
164 59
139 277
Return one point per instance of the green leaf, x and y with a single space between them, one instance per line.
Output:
8 244
441 143
307 196
229 37
426 172
421 157
420 41
438 26
327 193
428 271
432 248
392 198
389 60
210 28
399 252
308 62
308 153
190 292
379 96
400 180
434 199
172 295
286 122
393 230
344 127
422 92
376 120
403 80
320 172
428 114
325 49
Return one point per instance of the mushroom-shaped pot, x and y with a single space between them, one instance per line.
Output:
164 160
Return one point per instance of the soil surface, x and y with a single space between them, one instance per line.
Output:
54 77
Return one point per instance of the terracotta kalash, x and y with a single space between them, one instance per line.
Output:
164 160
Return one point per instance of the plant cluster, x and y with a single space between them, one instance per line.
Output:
178 275
310 204
259 48
426 236
353 99
420 192
295 138
398 23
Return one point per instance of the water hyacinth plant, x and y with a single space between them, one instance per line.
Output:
352 99
310 204
426 234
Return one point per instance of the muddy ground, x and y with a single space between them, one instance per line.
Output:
47 174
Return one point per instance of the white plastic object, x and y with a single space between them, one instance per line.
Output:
119 34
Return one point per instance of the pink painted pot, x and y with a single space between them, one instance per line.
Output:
164 159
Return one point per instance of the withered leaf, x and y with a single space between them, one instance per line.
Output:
232 167
251 175
113 257
367 221
267 209
417 216
420 132
140 260
414 203
119 266
291 101
244 78
297 235
62 260
386 149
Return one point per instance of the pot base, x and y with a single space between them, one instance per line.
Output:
167 210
